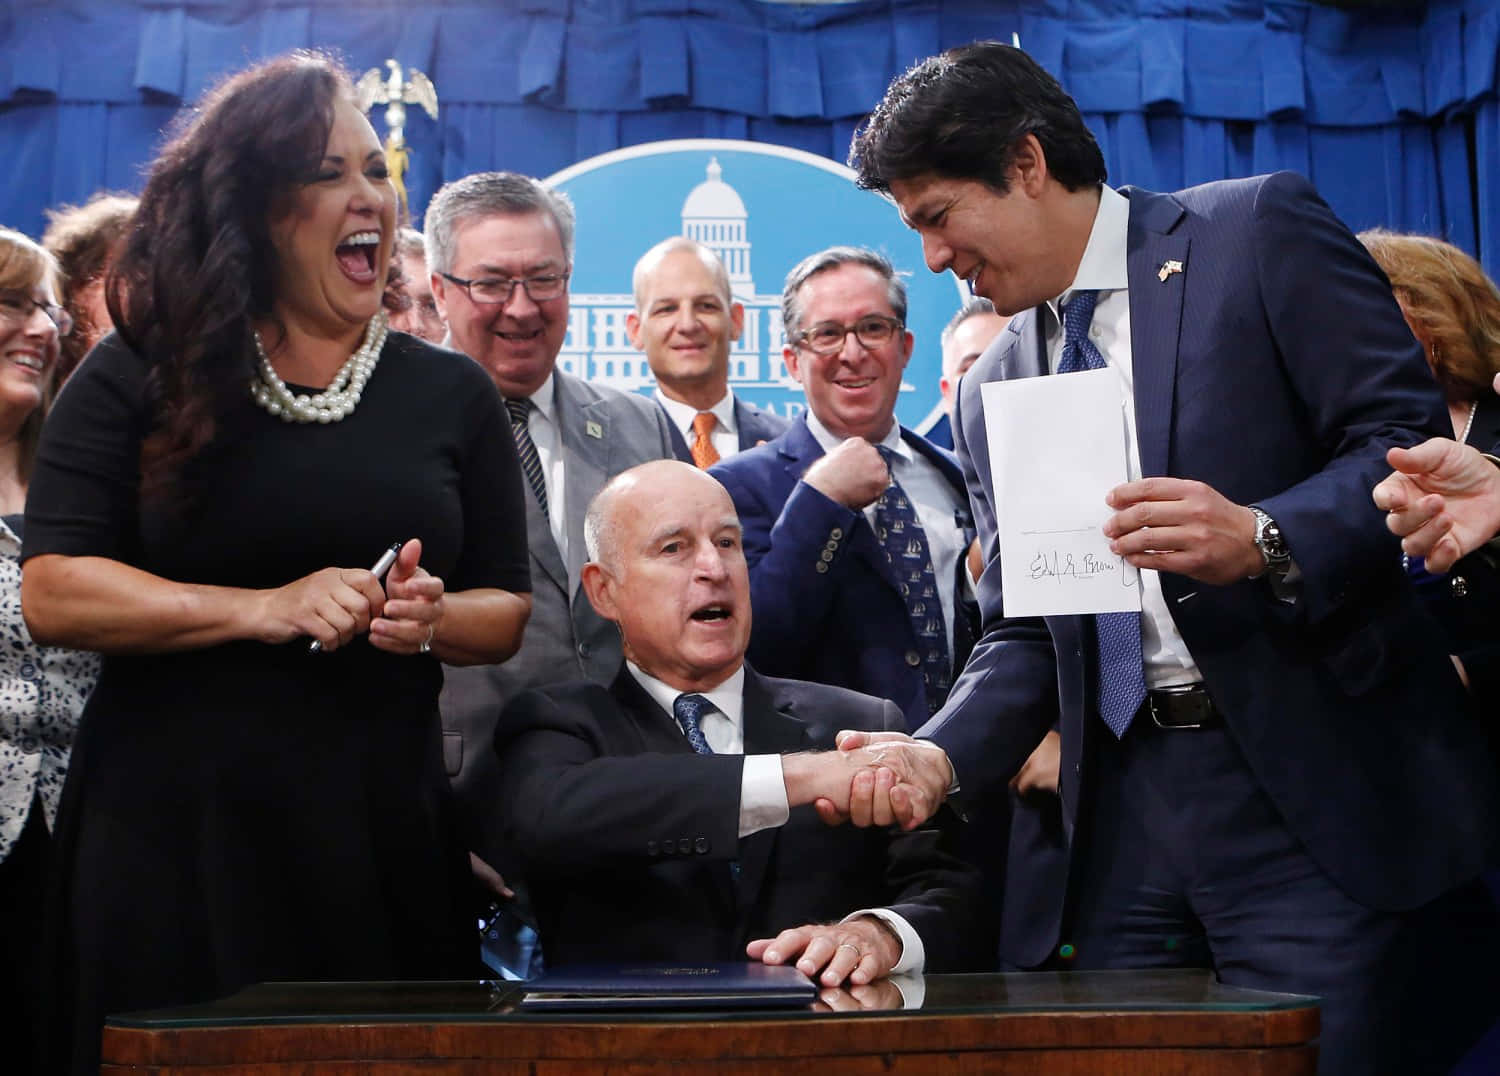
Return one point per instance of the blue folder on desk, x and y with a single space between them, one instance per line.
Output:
669 986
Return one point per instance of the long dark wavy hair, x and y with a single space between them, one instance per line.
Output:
199 265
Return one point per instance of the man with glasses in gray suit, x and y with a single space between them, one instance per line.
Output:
500 251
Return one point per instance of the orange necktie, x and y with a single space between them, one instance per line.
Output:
705 455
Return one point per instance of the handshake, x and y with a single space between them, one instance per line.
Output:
873 779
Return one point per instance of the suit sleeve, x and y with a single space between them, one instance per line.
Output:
792 585
935 890
1354 364
567 808
1005 700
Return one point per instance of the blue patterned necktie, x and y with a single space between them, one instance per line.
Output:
689 711
531 463
1122 676
904 543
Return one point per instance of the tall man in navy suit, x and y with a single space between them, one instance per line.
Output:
685 320
855 528
1270 770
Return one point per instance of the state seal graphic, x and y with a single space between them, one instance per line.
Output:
761 208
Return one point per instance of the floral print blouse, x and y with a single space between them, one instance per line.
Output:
42 692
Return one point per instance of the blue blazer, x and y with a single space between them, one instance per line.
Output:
838 620
1276 367
755 427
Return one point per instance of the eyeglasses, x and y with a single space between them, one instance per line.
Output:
872 331
16 307
497 290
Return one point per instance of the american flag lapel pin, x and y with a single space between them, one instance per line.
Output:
593 429
1168 267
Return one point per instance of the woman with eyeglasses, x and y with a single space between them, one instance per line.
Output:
210 496
42 688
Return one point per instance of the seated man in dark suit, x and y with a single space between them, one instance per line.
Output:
671 816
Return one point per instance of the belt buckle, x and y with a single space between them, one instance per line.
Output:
1184 692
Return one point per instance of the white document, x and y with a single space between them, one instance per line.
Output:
1057 446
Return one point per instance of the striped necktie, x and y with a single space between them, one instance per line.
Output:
531 463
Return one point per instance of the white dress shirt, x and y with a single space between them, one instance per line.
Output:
546 435
1103 269
725 436
763 803
938 507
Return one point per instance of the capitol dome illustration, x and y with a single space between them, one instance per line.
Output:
714 215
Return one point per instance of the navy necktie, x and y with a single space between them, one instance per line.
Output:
904 543
531 463
689 711
1122 677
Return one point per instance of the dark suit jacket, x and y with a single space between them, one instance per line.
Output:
940 433
1466 601
838 619
1276 368
753 425
602 433
626 835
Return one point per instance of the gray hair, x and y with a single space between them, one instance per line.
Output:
491 194
973 307
832 258
600 531
671 245
410 244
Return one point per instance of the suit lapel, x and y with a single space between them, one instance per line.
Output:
1155 318
544 552
1027 355
768 731
584 429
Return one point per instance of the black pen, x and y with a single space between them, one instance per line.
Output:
378 570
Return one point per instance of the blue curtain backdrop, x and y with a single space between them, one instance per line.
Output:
1392 114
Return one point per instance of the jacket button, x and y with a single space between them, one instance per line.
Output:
1458 584
827 556
913 658
668 847
821 567
651 848
701 846
684 846
28 671
836 533
585 650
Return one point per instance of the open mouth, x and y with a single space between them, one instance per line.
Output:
710 614
356 256
28 361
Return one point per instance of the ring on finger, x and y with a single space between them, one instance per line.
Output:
426 647
853 949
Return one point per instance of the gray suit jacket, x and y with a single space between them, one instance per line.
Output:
603 432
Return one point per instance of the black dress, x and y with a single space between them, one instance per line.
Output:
249 812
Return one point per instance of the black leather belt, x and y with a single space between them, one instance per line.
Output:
1186 707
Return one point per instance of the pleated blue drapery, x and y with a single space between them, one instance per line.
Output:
1393 114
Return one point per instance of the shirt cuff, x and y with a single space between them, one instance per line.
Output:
913 955
762 794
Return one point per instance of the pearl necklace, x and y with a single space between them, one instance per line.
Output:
333 403
1463 438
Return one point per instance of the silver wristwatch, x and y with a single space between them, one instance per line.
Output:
1269 540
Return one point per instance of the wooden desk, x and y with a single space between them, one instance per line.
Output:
1078 1024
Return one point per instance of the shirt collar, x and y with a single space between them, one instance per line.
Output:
828 441
1103 266
728 698
544 399
682 414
